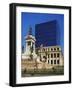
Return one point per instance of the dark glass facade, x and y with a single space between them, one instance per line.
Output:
47 34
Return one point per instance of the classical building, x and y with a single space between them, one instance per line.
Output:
51 55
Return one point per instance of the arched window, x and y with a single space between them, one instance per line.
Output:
58 49
51 49
55 49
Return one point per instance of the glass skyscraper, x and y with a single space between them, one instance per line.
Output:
47 34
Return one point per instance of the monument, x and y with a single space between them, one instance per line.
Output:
29 52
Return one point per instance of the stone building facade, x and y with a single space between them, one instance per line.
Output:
51 55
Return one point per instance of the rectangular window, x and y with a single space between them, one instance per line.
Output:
58 55
48 61
51 61
54 55
51 55
58 62
54 61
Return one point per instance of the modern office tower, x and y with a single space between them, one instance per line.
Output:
47 34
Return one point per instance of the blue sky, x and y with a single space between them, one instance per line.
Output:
31 19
